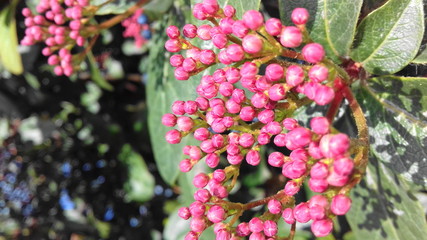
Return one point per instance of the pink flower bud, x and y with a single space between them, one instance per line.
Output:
169 120
172 32
291 37
249 70
318 185
340 204
220 191
273 26
270 228
288 216
253 19
318 73
334 145
195 153
189 30
337 180
272 128
191 236
223 235
200 180
198 12
310 89
274 206
176 60
317 212
294 75
185 165
220 40
274 72
202 195
202 103
314 150
238 95
203 32
219 175
207 57
197 224
232 106
319 170
343 166
320 125
276 159
226 25
173 136
216 214
294 169
253 157
243 230
229 11
256 225
210 6
277 92
240 29
178 108
246 140
324 95
291 188
185 123
299 154
290 123
322 228
263 138
313 52
266 116
173 45
184 213
252 44
302 213
197 209
212 160
259 100
181 74
232 75
257 236
298 138
207 146
247 113
235 52
300 16
318 200
280 140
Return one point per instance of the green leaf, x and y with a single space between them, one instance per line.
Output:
389 37
114 7
384 208
332 23
139 186
421 58
9 55
396 111
241 6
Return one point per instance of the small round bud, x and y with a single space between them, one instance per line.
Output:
322 228
252 44
300 16
253 19
273 26
340 204
173 136
291 37
313 52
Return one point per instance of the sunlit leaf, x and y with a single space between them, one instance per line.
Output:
389 37
383 207
396 110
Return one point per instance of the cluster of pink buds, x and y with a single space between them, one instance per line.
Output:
60 25
138 28
239 109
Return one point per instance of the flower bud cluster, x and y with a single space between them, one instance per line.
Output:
61 25
239 109
137 26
